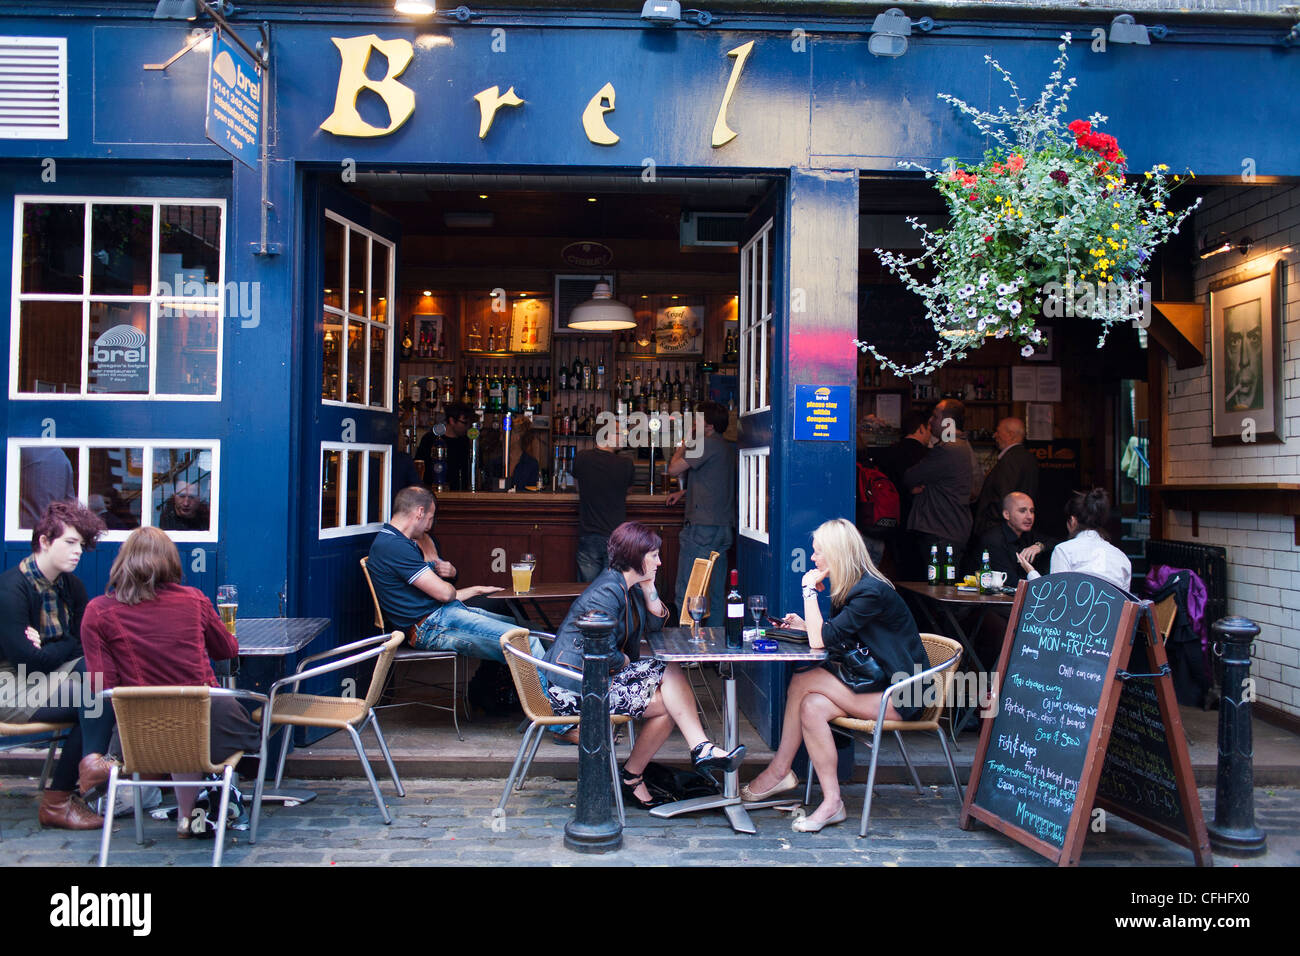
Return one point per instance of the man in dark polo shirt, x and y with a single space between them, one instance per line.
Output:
603 478
412 594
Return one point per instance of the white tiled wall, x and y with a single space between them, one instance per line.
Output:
1263 558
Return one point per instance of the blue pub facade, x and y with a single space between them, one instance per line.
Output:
119 213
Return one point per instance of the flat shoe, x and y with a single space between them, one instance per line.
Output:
788 782
805 824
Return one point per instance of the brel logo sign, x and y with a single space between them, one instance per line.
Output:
121 343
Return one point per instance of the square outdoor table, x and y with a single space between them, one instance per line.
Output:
674 644
514 600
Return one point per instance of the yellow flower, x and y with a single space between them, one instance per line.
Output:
1148 175
1115 205
1144 222
1114 225
1162 167
1158 205
1170 215
1175 177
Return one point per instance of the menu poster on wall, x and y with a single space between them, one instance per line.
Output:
1030 384
889 408
530 325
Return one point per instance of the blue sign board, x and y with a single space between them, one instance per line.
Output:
821 413
234 101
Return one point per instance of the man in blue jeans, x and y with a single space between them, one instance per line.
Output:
708 472
415 596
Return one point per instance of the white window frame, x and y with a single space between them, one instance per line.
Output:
754 316
83 446
154 299
341 530
754 490
345 317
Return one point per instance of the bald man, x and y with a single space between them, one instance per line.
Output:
1016 470
1015 536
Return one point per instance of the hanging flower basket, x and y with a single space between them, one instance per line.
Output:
1047 226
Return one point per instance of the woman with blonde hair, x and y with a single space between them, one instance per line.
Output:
868 614
150 630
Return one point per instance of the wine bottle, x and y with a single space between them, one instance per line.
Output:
949 568
986 575
735 613
933 573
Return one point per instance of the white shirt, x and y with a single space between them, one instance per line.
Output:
1088 553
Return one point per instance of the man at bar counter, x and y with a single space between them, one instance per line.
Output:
940 484
603 478
709 474
416 598
459 417
1016 470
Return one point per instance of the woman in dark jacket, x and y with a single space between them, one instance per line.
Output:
649 690
41 605
867 613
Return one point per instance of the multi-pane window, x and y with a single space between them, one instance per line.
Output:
753 497
354 491
356 328
118 299
165 483
756 322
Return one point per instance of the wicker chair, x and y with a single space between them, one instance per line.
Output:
337 713
409 655
165 730
524 669
697 584
944 655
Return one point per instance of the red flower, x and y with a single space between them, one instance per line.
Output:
1016 163
973 196
988 238
1060 175
1078 127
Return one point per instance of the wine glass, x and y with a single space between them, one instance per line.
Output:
695 606
757 608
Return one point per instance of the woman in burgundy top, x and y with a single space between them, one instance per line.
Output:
151 630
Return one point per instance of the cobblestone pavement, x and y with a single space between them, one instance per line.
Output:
450 823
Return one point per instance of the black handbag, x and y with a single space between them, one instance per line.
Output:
859 671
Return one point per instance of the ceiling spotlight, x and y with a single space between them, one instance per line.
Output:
591 199
1221 244
1123 29
414 8
889 33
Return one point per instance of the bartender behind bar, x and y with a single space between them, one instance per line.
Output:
459 417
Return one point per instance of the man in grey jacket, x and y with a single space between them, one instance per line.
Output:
941 485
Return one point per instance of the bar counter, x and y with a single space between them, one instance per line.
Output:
481 532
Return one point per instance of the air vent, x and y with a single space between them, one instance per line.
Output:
33 88
712 228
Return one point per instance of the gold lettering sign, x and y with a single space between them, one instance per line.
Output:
488 104
399 98
593 117
722 133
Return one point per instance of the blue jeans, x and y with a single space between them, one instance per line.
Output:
468 631
696 541
593 556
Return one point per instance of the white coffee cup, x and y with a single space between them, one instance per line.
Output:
999 578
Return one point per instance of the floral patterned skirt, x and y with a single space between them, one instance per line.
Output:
630 690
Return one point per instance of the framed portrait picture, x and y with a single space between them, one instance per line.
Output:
530 325
1246 348
679 329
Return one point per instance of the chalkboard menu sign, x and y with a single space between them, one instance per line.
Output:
1040 759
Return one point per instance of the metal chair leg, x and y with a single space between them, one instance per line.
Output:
138 806
952 768
871 780
388 757
284 752
257 790
514 770
618 783
902 747
108 818
528 762
49 763
370 774
221 819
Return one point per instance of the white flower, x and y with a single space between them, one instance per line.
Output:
970 312
1035 335
1003 288
1014 309
966 291
1027 351
982 325
1001 304
984 280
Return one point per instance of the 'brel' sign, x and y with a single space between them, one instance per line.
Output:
234 101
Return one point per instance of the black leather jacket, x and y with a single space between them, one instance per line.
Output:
632 622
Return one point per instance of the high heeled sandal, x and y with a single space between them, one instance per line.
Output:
629 783
717 759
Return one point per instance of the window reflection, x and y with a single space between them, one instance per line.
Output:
329 495
375 488
187 349
182 489
45 474
53 248
48 357
189 250
121 243
117 477
333 288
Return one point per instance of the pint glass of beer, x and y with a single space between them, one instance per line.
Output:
228 605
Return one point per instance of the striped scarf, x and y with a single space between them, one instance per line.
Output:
54 611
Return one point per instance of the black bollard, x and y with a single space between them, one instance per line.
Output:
595 827
1233 830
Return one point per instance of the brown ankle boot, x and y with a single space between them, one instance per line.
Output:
93 771
66 811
